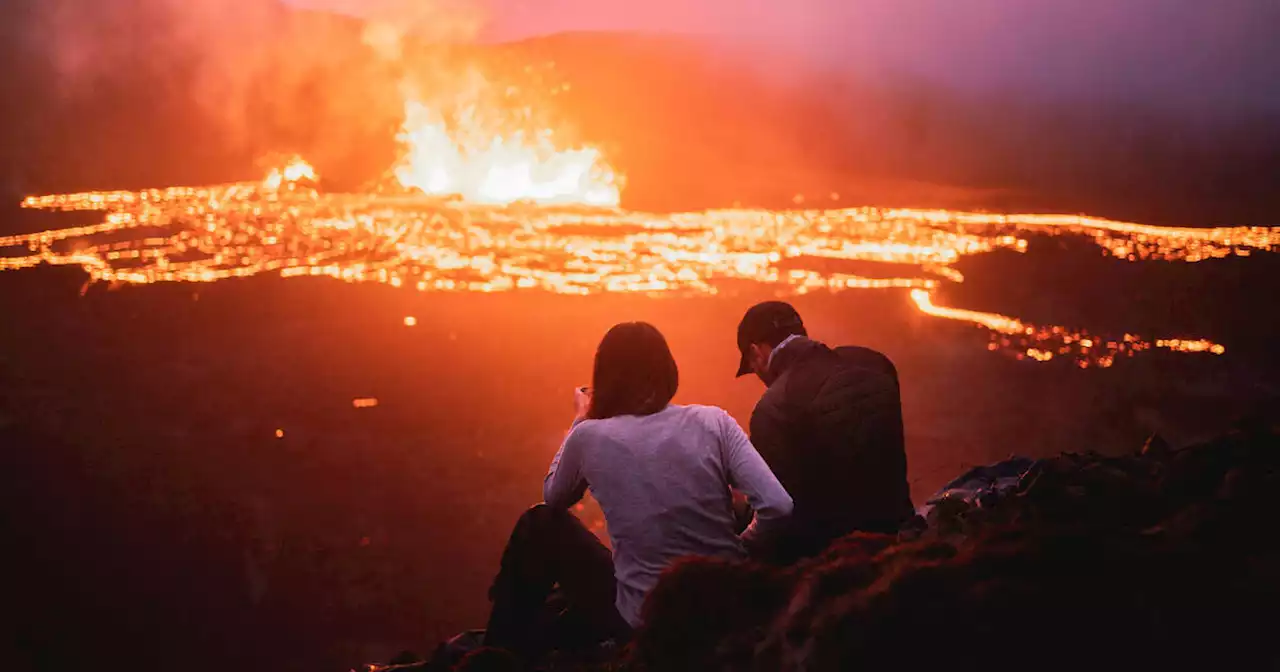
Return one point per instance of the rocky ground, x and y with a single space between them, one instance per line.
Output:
1161 559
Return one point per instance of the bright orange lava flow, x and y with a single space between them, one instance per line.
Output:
286 226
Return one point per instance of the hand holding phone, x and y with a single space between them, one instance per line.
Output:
581 402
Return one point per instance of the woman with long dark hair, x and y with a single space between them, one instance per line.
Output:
662 474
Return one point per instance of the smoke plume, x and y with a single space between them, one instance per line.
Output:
264 78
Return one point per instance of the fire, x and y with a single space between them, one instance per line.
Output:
475 145
294 171
503 169
481 135
205 234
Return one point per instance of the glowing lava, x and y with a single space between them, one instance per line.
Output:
295 171
499 169
286 226
481 142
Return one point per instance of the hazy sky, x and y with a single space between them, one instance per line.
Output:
1215 53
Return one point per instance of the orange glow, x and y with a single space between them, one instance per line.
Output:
411 321
996 323
1044 343
472 133
279 433
364 403
1191 346
490 159
295 171
423 243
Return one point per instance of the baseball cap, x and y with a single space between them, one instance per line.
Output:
765 322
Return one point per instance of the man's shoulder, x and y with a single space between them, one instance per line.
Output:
859 357
817 365
833 371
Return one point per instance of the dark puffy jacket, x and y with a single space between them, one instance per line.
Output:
830 427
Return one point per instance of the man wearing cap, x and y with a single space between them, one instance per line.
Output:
830 427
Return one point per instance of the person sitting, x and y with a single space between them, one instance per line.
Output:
662 474
830 427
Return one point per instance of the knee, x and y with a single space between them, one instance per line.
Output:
539 509
543 517
535 516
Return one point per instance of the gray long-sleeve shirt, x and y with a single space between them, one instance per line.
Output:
663 482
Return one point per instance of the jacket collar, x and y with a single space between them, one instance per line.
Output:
796 350
779 347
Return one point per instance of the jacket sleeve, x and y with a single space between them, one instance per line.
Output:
748 472
565 484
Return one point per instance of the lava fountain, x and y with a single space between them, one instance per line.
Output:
485 152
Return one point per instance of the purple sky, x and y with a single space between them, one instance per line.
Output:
1215 54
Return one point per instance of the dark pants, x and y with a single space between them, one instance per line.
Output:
550 548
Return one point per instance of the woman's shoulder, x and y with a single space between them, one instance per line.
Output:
588 426
713 415
582 431
702 409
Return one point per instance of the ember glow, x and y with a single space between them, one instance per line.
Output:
286 226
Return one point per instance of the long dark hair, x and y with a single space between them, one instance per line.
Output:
634 372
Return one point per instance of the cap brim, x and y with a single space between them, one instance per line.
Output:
744 366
